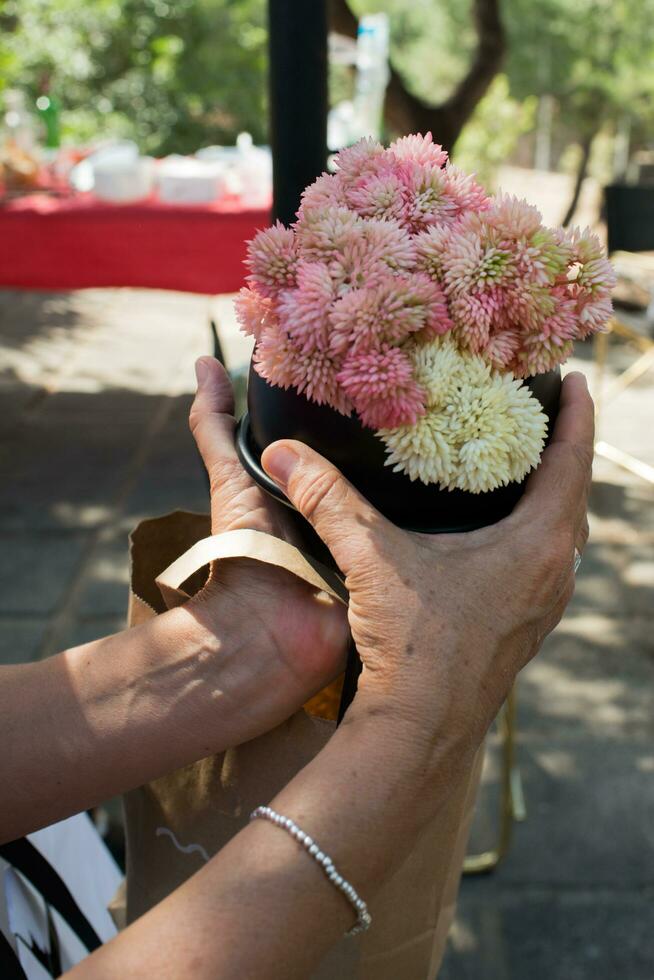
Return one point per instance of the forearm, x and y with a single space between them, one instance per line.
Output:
107 716
262 908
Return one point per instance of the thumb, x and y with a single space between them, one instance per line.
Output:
341 517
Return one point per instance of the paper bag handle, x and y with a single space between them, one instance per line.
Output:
247 543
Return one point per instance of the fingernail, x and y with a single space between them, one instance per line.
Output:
279 462
201 371
580 375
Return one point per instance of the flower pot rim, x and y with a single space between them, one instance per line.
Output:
251 462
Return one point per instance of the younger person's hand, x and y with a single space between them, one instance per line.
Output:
292 640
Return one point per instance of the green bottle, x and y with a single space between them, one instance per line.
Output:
48 109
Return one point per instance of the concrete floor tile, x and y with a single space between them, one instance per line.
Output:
65 476
593 677
86 630
532 935
589 815
106 579
20 639
36 571
173 475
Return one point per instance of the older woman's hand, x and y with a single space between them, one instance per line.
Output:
457 613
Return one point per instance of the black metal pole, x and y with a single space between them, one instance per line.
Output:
298 138
298 99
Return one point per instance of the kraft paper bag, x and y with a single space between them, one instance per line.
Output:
178 822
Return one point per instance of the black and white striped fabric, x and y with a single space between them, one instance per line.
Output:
55 888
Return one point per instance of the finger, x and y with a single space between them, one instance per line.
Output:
576 419
559 486
211 417
339 514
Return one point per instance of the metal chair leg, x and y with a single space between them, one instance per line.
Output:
217 348
512 801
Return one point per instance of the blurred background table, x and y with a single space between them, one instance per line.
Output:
78 242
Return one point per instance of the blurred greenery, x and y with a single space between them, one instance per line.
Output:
172 75
178 74
594 57
491 136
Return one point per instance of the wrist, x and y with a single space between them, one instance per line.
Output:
212 668
428 745
430 690
262 676
415 699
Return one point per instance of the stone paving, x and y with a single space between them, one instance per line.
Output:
95 388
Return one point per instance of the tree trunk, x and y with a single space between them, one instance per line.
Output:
407 113
579 179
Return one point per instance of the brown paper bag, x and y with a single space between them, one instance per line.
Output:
176 823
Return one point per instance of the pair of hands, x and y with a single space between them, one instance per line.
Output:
457 614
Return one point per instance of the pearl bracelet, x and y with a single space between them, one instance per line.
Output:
363 915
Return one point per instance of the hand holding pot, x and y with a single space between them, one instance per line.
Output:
461 613
292 640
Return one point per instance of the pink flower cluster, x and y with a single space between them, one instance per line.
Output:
399 246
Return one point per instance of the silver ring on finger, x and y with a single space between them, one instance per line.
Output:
577 560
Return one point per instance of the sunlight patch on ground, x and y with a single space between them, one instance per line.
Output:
602 630
602 702
557 763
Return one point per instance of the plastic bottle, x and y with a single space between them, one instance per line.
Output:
48 108
372 73
254 169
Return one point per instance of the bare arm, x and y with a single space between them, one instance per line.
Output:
102 718
235 661
95 720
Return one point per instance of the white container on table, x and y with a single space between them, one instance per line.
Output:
247 169
122 177
185 180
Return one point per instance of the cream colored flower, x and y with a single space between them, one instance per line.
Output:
482 429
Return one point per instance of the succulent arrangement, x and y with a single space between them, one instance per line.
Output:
405 295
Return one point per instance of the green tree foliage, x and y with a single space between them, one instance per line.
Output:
491 136
596 57
173 74
177 74
431 45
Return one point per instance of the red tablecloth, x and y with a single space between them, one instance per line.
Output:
47 243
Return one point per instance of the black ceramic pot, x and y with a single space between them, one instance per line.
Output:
275 413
